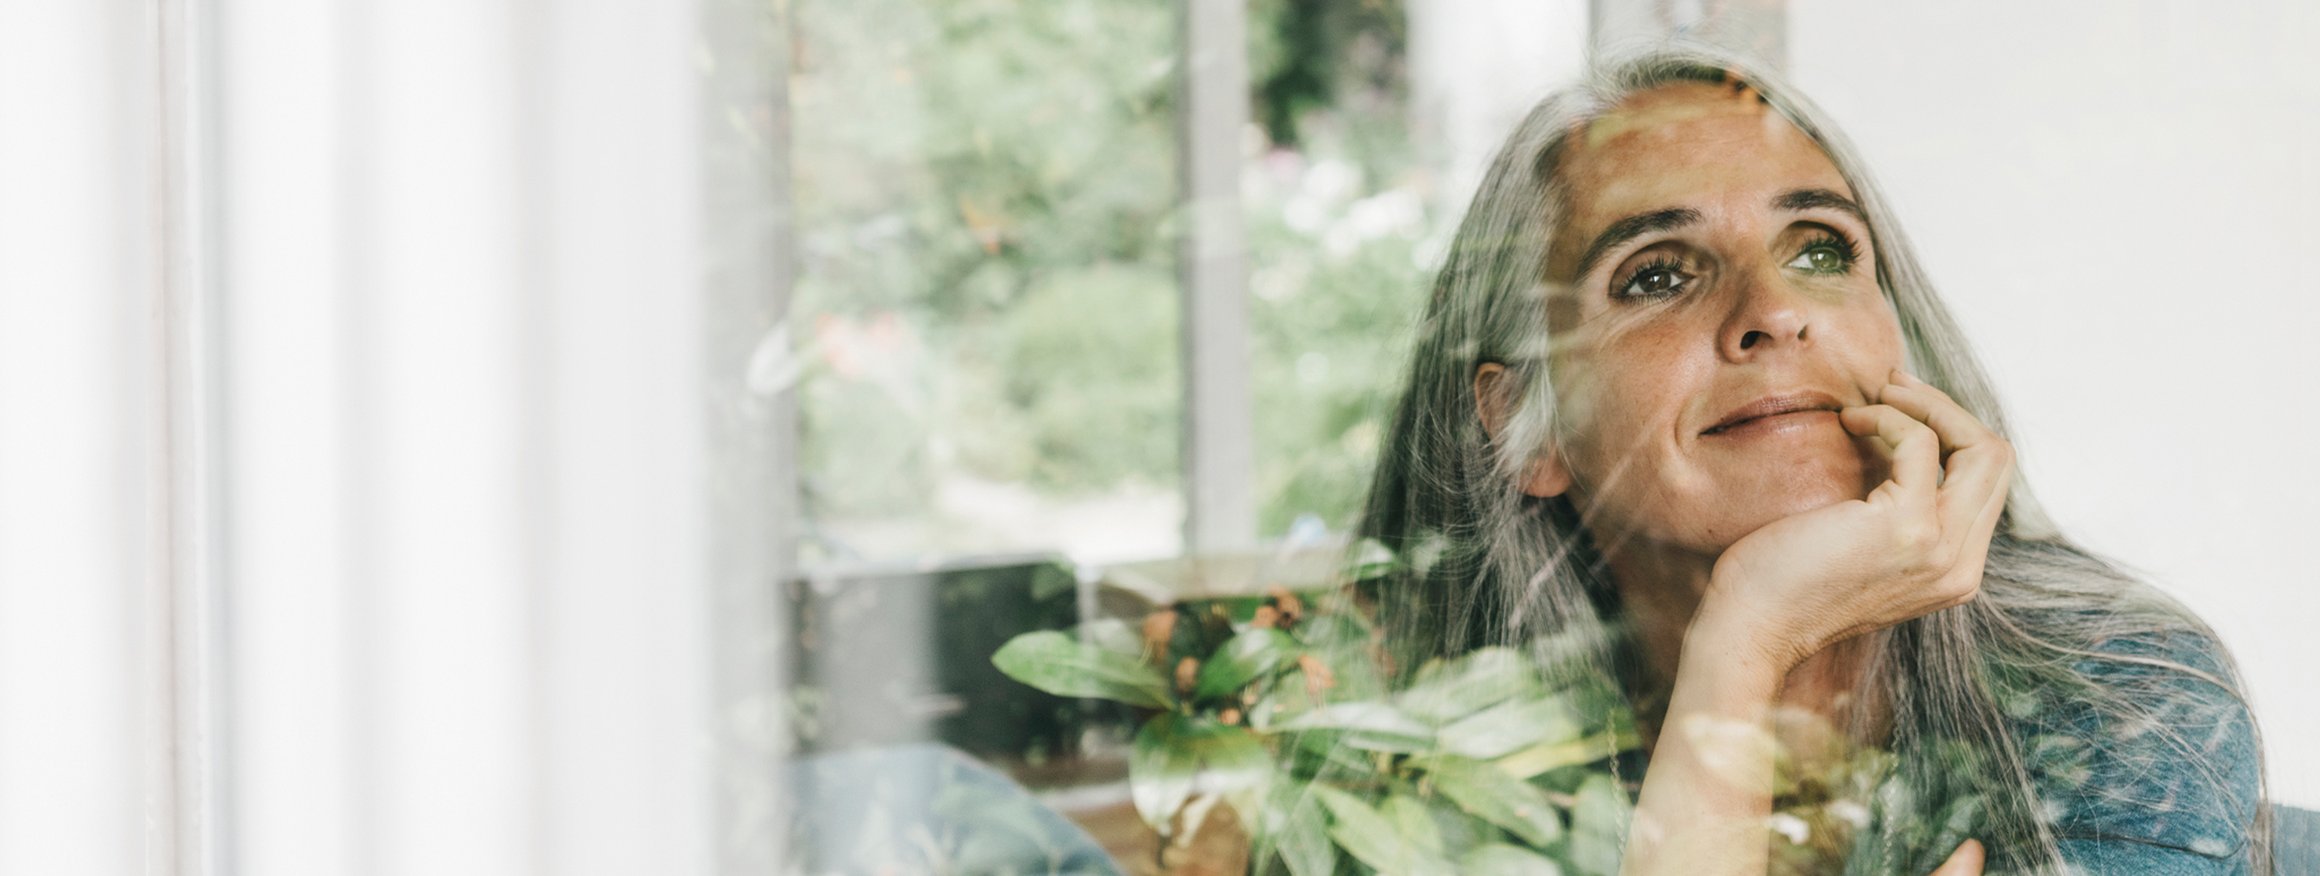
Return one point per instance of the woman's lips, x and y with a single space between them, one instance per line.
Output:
1773 424
1776 413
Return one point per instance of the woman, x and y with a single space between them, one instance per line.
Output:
1683 391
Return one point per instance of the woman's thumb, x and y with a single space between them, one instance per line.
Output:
1966 861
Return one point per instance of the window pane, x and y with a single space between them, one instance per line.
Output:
1339 213
988 279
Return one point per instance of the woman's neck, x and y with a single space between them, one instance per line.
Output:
1660 590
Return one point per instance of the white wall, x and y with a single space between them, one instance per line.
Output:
2118 200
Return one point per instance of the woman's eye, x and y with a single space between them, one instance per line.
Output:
1823 257
1654 281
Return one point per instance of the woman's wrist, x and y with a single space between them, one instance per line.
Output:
1738 645
1729 677
1709 787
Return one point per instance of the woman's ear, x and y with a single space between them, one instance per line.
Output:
1546 477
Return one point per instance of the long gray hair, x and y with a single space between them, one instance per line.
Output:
1483 563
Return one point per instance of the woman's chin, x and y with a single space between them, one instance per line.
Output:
1778 501
1724 507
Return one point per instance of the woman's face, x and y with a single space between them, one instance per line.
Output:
1713 300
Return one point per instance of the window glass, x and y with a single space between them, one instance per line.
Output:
987 278
1338 217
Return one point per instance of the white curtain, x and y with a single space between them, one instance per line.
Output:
369 389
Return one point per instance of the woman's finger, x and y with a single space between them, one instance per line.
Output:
1966 861
1957 427
1979 463
1915 452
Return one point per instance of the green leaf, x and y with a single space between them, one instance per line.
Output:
1489 793
1232 759
1506 727
1371 838
1446 690
1500 859
1460 831
1299 830
1324 756
1539 759
1114 635
1160 773
1599 826
1415 824
1058 664
1334 631
1367 726
1243 658
1176 756
1354 667
1369 559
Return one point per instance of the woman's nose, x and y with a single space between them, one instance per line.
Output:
1767 315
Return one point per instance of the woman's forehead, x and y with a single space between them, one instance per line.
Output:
1693 137
1650 110
1701 146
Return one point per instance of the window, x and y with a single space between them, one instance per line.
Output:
512 437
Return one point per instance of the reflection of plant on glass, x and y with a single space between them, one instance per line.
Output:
1284 715
1476 764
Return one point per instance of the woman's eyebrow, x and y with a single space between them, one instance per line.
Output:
1810 199
1633 227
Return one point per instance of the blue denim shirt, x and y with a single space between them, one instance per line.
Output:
2149 803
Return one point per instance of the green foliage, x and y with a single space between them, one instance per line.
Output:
998 180
1246 656
1089 365
1306 55
1477 764
1434 778
1177 755
1512 726
1493 795
1447 690
1500 859
1298 830
940 138
1365 726
1373 839
1056 663
1599 816
995 184
1414 820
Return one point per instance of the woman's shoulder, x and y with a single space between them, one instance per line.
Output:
2153 755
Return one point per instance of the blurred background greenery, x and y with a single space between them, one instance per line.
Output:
987 201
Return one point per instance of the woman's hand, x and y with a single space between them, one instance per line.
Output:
1915 545
1786 591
